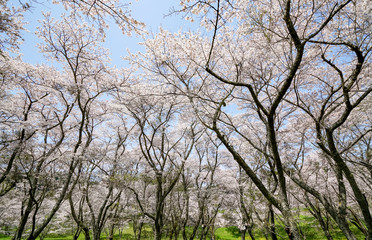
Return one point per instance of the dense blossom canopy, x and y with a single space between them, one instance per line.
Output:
259 119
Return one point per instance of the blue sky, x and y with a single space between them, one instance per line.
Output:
151 12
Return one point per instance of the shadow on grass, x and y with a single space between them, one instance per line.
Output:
234 231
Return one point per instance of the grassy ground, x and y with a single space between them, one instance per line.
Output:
307 224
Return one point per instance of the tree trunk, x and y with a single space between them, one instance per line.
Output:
96 234
139 231
176 233
86 233
323 225
111 232
272 223
77 233
157 231
242 233
251 232
344 226
204 232
195 230
24 218
170 233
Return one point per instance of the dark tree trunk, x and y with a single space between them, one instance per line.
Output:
316 212
157 230
250 232
96 234
139 231
86 233
272 223
242 233
77 233
24 218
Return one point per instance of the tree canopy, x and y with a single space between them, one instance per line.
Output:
258 119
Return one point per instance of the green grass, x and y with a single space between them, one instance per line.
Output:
4 237
308 225
232 233
227 233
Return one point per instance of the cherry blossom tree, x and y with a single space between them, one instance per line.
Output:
100 10
339 123
55 115
32 142
11 24
262 112
165 141
260 56
98 191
